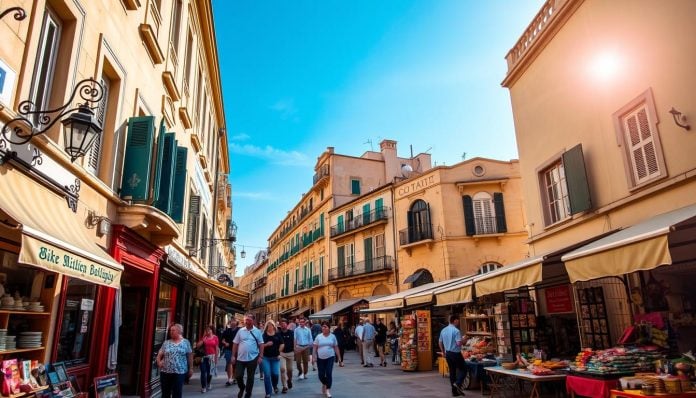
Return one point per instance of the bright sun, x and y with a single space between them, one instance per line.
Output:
605 66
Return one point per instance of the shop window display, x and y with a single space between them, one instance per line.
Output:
75 328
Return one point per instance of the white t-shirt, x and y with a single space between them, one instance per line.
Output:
326 345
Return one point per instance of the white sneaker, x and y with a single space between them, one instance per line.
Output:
301 377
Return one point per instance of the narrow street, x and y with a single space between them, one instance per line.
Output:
352 380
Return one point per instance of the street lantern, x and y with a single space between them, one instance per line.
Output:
81 129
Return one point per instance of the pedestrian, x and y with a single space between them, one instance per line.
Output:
303 341
326 349
450 348
381 340
358 341
211 348
287 355
273 343
227 339
175 362
247 354
393 337
316 330
368 340
341 339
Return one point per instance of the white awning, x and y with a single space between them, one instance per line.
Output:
53 237
335 308
397 300
526 272
640 247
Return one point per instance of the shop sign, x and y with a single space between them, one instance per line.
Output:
417 185
86 304
176 258
59 260
558 299
7 83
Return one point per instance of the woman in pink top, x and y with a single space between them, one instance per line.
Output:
211 346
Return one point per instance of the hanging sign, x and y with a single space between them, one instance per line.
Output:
558 299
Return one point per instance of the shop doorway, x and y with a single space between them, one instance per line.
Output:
130 348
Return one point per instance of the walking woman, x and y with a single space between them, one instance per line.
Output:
341 338
393 337
211 347
273 344
175 361
326 348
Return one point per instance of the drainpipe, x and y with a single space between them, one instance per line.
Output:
394 233
212 253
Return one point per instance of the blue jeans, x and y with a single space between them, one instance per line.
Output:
205 372
271 373
325 367
172 384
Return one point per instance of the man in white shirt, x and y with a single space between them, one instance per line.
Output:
247 354
303 342
358 342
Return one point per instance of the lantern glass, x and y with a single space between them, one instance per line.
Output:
81 130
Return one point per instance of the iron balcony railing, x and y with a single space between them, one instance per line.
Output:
258 283
415 234
378 214
486 225
321 173
270 297
375 264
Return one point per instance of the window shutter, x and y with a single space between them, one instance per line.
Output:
158 162
137 163
366 214
355 187
641 145
93 155
379 204
321 224
469 220
500 222
166 185
367 245
340 228
576 179
192 225
179 185
204 240
341 259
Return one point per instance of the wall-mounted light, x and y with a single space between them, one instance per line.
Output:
679 119
81 126
102 223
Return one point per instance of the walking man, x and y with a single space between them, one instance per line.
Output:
368 343
247 354
303 341
450 347
287 355
358 341
227 340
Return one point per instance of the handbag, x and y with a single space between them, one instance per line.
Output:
198 352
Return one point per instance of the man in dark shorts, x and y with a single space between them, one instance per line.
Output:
227 338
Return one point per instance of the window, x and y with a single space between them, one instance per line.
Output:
564 186
379 246
76 325
636 125
350 254
176 25
484 213
193 219
321 269
488 267
45 62
354 186
419 227
187 61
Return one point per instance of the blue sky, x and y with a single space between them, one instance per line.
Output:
301 75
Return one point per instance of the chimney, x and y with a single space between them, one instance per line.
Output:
392 167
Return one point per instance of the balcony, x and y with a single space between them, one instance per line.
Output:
170 73
270 297
487 225
376 264
362 220
321 174
412 235
149 31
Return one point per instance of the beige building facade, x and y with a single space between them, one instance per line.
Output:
605 87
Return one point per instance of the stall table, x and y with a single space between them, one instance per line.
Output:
589 387
476 375
499 383
638 394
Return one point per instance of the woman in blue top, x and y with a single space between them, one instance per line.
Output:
175 361
326 348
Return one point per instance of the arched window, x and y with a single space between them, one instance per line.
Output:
488 267
422 279
419 227
484 213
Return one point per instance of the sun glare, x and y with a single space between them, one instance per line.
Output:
605 66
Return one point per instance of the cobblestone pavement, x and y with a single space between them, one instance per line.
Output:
353 380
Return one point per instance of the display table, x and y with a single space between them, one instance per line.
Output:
501 380
589 387
638 394
476 375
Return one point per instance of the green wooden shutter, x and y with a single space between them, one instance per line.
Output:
340 226
156 182
179 185
367 243
166 180
500 223
576 179
321 224
297 277
341 260
366 214
193 219
469 221
355 187
137 163
379 208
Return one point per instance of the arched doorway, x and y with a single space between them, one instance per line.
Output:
423 278
381 290
345 295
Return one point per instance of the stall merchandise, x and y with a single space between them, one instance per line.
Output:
617 361
408 346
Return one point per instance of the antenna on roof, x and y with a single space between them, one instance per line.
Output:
369 141
463 155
